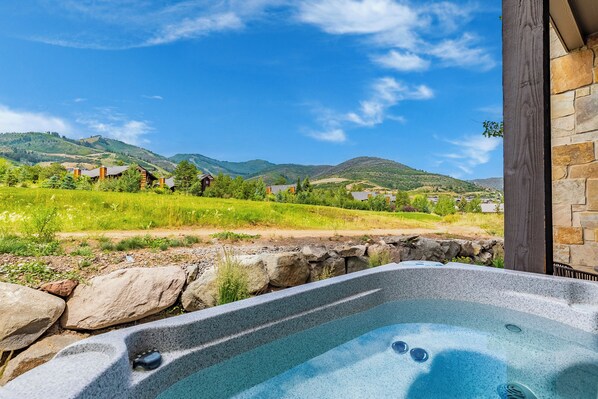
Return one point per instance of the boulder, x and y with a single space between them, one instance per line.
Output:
484 258
61 288
25 314
467 249
357 263
256 273
423 249
331 267
498 250
191 271
355 250
37 354
393 254
286 269
451 249
315 253
123 296
400 240
201 293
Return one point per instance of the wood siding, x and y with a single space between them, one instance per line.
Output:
527 163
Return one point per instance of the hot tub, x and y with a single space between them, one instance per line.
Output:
412 330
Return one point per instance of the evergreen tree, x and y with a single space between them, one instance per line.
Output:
307 185
10 178
52 182
402 200
185 176
298 189
68 182
462 204
130 181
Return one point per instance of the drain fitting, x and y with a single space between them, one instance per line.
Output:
514 390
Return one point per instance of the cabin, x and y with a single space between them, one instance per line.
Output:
115 172
206 179
491 207
291 188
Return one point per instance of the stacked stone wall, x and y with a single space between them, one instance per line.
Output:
574 114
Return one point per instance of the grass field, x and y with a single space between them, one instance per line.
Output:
104 211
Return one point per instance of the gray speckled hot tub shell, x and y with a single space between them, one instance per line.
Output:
100 367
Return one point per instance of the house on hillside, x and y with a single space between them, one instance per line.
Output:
114 172
366 195
281 188
206 179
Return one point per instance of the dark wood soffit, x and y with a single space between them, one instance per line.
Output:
527 169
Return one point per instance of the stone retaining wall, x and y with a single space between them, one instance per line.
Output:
135 293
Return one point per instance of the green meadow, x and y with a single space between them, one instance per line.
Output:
103 211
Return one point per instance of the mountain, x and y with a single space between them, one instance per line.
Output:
495 183
393 175
213 166
91 152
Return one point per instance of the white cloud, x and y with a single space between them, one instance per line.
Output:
405 61
119 25
79 100
154 97
117 126
333 135
412 28
470 152
191 28
460 52
16 121
386 93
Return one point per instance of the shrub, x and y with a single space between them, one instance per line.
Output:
231 236
421 204
140 242
82 251
380 258
232 279
326 272
68 182
24 246
43 224
499 262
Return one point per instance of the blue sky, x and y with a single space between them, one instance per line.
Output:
303 81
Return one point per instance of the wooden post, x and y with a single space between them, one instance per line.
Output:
527 160
103 172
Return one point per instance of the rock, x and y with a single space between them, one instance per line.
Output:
357 263
451 249
315 253
201 293
484 258
286 269
498 250
257 276
37 354
192 271
356 250
331 267
426 249
25 314
122 296
467 250
392 253
61 288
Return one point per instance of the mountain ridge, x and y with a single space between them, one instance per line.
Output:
35 147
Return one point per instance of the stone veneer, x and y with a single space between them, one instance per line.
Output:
574 113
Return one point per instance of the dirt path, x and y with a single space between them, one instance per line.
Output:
461 231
